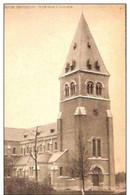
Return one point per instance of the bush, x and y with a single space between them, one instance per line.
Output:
120 178
26 186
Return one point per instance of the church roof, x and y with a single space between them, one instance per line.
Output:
83 50
17 134
26 159
22 160
45 131
13 134
55 156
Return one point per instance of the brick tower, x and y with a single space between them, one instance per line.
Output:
85 106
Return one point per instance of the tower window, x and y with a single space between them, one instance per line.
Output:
97 66
90 87
94 147
66 90
14 150
89 64
61 170
72 88
52 130
98 89
95 111
73 64
75 45
67 67
89 46
99 147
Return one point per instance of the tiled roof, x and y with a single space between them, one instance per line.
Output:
13 134
17 134
43 158
83 49
24 160
55 156
45 130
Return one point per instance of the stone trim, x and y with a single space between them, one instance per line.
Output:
102 173
85 96
86 71
101 159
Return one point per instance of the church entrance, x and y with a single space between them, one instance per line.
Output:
95 180
97 176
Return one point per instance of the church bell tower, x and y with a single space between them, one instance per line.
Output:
85 106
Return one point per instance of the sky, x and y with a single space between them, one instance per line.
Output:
37 41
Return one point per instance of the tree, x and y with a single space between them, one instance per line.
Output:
8 166
79 162
34 156
120 178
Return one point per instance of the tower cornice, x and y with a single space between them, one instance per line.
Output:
85 96
84 71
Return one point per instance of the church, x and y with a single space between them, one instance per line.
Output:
84 110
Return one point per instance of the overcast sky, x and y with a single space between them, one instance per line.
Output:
37 41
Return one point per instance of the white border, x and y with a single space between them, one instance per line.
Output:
1 67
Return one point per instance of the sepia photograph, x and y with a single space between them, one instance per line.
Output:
64 99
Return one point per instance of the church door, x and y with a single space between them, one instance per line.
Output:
95 180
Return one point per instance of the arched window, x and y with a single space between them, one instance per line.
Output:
99 147
66 90
98 89
27 149
21 150
40 147
24 151
72 88
14 150
94 147
55 145
61 170
90 87
48 146
43 146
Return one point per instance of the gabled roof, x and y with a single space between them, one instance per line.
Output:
17 134
13 134
43 158
55 156
45 131
85 49
24 160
